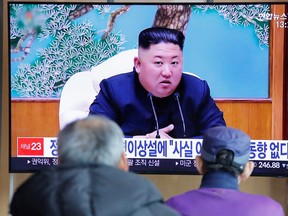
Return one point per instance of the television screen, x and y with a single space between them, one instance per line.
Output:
228 45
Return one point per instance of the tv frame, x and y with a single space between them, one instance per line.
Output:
153 3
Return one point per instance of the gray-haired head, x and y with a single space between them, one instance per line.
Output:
95 140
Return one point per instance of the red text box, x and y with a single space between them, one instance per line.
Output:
30 146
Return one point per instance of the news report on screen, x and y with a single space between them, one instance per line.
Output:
50 42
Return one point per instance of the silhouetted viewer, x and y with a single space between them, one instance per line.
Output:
91 180
224 163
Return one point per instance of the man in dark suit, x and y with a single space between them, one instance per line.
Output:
157 99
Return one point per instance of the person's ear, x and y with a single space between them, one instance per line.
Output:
137 64
199 164
123 163
248 169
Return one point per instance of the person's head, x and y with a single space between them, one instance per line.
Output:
160 60
93 140
226 149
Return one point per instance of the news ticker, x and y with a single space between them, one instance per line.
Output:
261 150
170 156
151 166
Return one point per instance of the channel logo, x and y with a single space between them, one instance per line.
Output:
30 146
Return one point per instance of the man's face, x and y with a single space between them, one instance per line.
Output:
160 68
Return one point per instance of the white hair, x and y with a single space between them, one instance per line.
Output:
95 140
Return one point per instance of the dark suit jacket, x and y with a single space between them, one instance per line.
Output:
123 99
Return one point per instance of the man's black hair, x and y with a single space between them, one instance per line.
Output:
156 35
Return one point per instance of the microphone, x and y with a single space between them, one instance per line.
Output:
176 95
155 116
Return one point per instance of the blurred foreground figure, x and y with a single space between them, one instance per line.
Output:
224 163
91 180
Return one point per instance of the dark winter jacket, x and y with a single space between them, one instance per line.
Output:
91 190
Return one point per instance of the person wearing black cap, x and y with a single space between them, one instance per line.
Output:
224 163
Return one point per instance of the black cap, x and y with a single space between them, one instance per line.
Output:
221 137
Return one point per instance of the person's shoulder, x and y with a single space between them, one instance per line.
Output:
122 76
119 80
265 203
151 198
148 189
182 198
134 177
266 200
191 77
149 202
34 185
41 176
193 83
192 80
120 175
119 83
